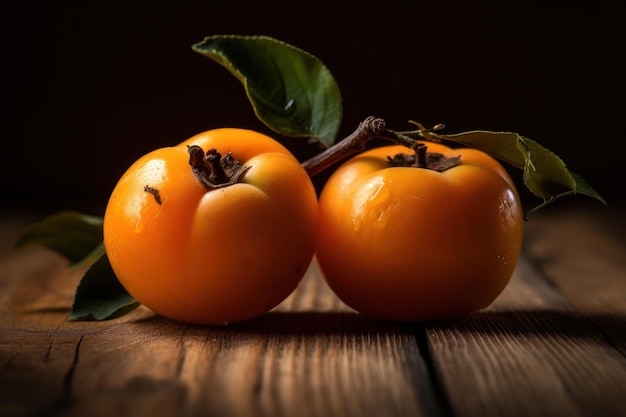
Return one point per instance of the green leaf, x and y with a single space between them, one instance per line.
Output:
100 296
291 91
544 173
78 238
72 235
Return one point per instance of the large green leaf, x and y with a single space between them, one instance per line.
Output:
100 296
544 173
291 91
72 235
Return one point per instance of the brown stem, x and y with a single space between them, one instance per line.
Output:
374 128
370 128
420 156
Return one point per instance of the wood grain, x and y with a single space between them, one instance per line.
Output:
311 354
583 254
552 344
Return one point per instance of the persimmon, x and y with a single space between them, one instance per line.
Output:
400 240
218 229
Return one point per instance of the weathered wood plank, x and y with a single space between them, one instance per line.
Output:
311 356
582 252
551 345
538 351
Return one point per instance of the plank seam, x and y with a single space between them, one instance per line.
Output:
439 392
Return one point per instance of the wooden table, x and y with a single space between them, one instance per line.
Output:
553 344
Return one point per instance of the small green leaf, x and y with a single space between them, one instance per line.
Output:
72 235
100 296
291 91
544 173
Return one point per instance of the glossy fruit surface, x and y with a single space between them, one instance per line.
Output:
212 256
409 244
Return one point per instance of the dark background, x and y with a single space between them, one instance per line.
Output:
91 86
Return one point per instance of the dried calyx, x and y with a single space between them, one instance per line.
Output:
423 159
214 170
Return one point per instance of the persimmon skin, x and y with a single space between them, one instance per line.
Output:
212 256
412 244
